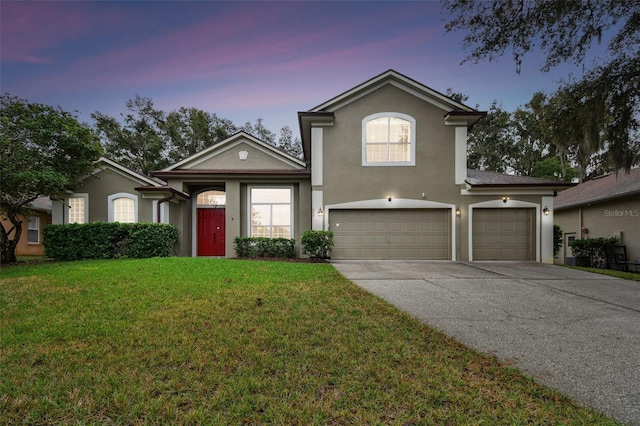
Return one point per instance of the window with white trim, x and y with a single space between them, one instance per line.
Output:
271 213
33 230
388 139
78 209
123 208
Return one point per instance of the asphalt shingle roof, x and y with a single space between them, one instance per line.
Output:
41 203
484 178
601 188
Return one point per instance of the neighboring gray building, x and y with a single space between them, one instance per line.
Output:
384 168
606 206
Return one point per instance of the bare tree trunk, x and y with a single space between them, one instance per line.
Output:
8 245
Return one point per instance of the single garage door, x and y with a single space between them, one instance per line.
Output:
391 234
503 234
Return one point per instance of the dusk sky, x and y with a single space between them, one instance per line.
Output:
241 60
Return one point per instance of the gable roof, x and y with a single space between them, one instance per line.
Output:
230 142
399 80
605 187
125 171
484 179
454 113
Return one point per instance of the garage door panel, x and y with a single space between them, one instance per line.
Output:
396 227
503 234
411 240
396 234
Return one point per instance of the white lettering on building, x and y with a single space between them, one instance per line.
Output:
622 213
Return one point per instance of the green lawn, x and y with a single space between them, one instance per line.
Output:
185 340
633 276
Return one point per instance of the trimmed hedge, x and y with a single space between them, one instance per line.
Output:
107 240
591 252
264 247
317 244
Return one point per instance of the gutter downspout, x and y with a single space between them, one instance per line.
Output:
169 198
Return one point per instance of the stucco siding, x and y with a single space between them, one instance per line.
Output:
346 179
107 183
620 217
229 159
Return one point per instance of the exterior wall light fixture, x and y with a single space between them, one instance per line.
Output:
505 199
320 212
458 212
546 211
389 199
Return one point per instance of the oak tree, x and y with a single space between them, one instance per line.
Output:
44 151
566 30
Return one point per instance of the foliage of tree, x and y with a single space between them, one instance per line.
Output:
550 168
490 144
147 139
137 142
528 141
259 131
600 115
288 144
44 151
532 143
190 130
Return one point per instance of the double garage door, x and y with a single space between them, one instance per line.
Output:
498 234
503 234
391 234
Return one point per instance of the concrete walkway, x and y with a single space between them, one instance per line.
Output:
575 331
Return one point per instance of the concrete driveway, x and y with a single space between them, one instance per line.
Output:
575 331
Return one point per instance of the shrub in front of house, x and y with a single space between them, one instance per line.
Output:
591 252
317 244
151 240
107 240
259 247
557 240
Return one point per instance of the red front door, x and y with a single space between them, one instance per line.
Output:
211 232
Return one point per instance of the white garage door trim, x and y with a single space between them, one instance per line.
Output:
502 205
398 203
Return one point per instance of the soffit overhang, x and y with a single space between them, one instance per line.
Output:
161 192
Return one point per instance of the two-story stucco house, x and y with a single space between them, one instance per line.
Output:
384 168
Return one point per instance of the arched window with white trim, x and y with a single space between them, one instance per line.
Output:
123 208
389 139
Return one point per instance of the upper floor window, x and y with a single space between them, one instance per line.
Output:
388 139
123 208
78 208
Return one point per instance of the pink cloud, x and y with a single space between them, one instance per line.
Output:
31 31
256 56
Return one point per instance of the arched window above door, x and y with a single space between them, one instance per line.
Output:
212 198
